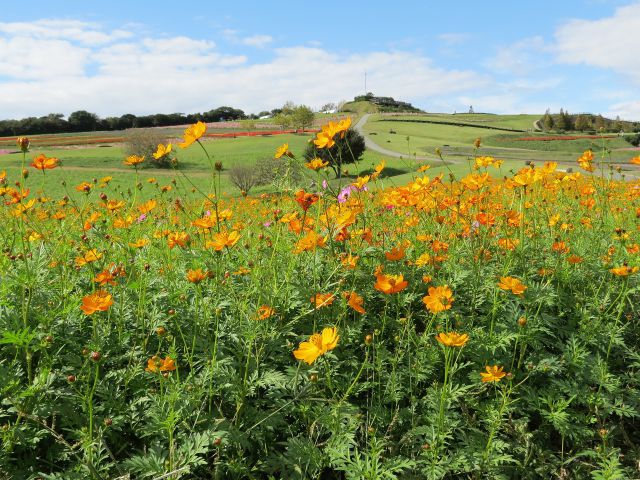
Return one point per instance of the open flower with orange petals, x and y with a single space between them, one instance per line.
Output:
635 160
99 301
390 284
223 239
193 133
395 254
323 299
317 345
196 276
452 339
439 299
178 239
134 160
162 151
157 364
41 162
283 151
624 270
512 284
305 200
89 256
310 242
354 301
105 277
316 164
264 312
492 373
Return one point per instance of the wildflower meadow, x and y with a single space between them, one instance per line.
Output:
476 326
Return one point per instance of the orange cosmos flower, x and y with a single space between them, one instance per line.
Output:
265 311
84 187
133 160
305 200
439 299
310 242
452 339
44 163
355 301
283 150
349 261
635 160
147 206
573 259
390 283
196 276
89 256
316 164
512 284
322 299
377 170
178 239
100 301
317 345
193 133
223 239
157 364
104 277
624 270
396 253
139 243
492 374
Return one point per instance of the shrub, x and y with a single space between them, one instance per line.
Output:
633 139
283 173
243 177
144 142
346 150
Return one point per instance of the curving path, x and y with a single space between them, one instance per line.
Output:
371 145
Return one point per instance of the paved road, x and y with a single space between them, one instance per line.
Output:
371 145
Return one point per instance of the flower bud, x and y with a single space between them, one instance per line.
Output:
23 144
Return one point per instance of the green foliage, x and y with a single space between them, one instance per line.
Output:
347 150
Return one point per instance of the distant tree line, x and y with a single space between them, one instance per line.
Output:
585 122
83 121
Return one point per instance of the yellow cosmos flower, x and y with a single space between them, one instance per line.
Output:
624 270
133 160
316 164
283 150
493 373
193 133
162 151
317 345
223 239
452 339
512 284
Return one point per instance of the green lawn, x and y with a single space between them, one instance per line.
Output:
456 142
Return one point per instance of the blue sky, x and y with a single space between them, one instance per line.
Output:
145 57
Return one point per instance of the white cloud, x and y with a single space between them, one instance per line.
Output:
150 75
70 30
521 58
454 38
610 43
624 110
259 41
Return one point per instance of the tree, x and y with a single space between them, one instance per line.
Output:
302 117
582 123
346 150
560 121
599 123
83 121
547 121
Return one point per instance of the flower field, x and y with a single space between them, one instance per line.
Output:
451 328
